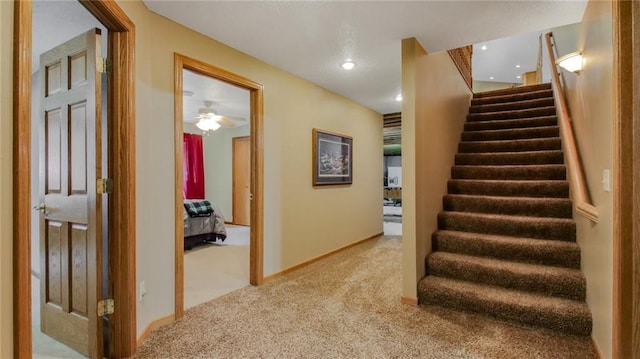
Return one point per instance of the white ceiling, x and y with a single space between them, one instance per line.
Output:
498 63
227 100
310 38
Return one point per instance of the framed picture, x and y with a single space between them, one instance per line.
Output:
332 158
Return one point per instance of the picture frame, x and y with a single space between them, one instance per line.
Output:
332 158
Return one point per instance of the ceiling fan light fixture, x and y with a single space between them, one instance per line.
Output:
208 124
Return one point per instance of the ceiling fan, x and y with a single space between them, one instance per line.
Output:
209 120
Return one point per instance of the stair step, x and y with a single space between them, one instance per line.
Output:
513 90
506 241
517 206
536 144
530 95
565 315
546 189
513 105
553 281
510 172
510 115
511 124
531 227
511 134
510 158
524 250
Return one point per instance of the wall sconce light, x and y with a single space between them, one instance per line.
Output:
571 62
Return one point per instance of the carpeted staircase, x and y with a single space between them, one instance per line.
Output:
506 240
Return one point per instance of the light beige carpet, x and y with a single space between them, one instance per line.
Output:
347 306
213 270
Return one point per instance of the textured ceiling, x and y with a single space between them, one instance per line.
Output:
310 38
227 100
501 57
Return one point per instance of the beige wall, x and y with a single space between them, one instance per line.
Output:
434 109
218 165
300 222
590 96
6 274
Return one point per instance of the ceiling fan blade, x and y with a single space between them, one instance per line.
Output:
227 122
235 118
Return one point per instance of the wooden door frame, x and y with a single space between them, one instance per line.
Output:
121 158
256 276
233 182
626 205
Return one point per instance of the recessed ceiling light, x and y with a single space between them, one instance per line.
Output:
491 78
348 64
518 66
484 47
517 77
399 97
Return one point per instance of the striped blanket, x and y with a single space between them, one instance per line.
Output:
199 208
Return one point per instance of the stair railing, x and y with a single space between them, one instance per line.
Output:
579 187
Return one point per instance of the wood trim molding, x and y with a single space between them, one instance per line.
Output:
179 180
22 179
626 202
257 169
285 271
409 300
154 325
121 149
635 197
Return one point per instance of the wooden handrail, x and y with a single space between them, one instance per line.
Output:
579 188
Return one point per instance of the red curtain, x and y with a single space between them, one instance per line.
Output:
193 167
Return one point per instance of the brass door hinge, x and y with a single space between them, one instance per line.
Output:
104 185
103 65
105 307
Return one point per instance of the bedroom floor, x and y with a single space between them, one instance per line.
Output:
213 270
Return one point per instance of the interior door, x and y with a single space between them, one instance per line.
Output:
70 220
241 172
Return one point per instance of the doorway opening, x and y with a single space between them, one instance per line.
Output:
220 115
392 181
68 105
216 175
59 100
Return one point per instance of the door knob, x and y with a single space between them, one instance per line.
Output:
41 208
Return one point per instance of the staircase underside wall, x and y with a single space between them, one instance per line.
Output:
436 102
